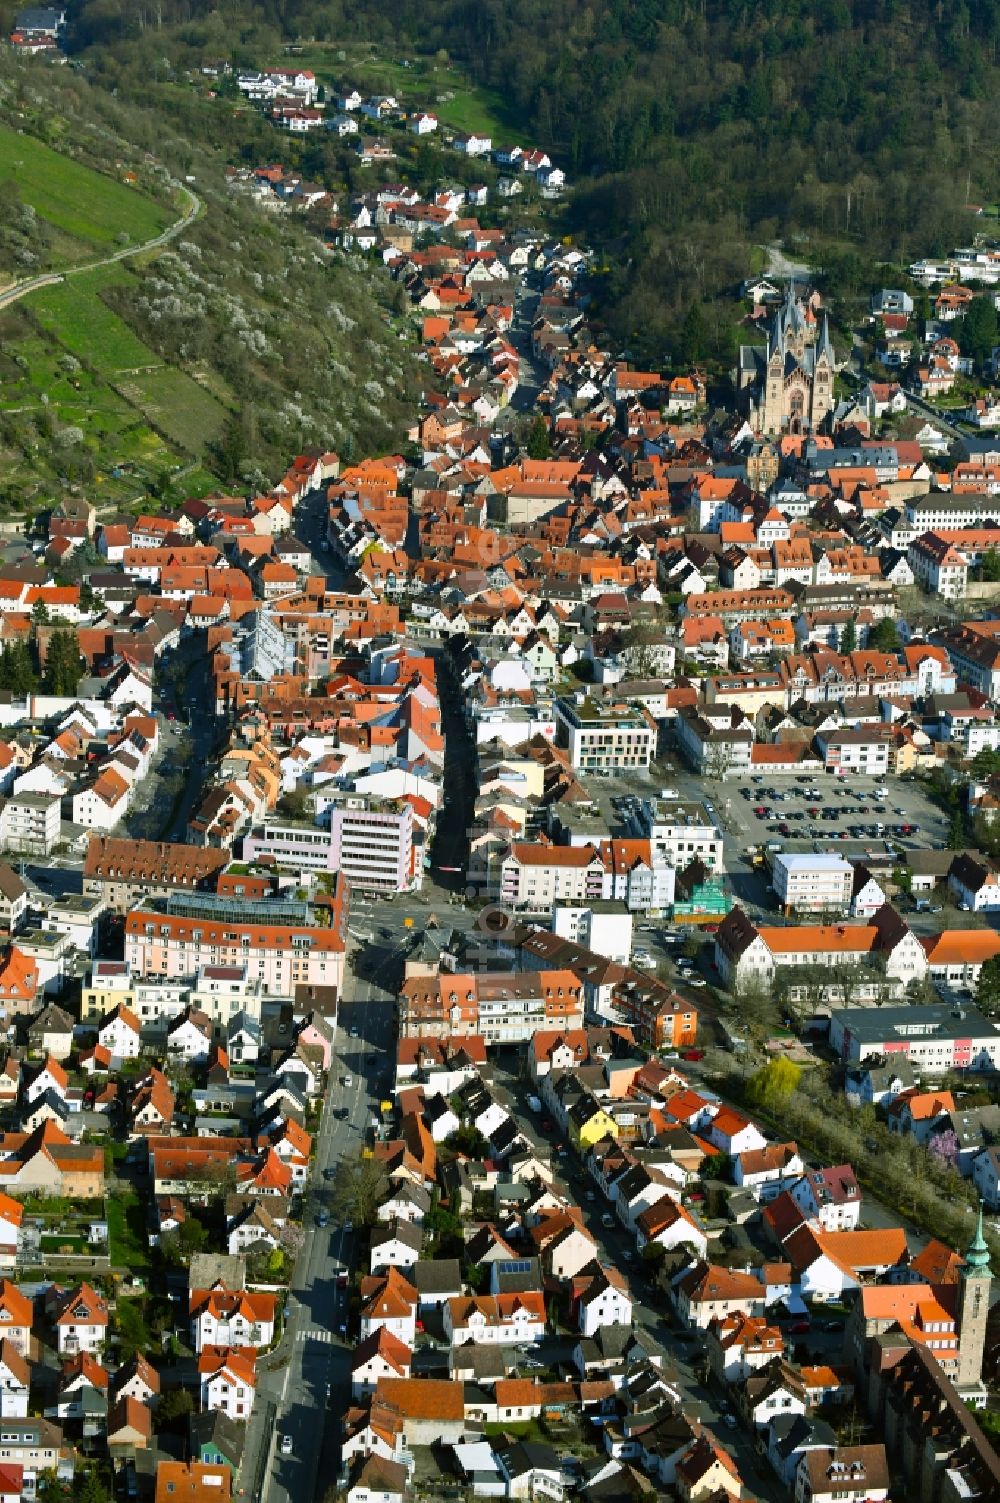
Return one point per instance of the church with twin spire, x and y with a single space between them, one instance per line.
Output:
786 386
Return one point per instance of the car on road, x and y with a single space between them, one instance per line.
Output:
329 1174
347 1081
607 1220
799 1328
729 1420
590 1195
354 1033
285 1445
322 1218
697 981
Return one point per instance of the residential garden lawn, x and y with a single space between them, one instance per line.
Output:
523 1430
176 405
88 209
74 314
127 1230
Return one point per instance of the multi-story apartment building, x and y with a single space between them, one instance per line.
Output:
125 872
939 566
535 877
281 944
658 1016
813 883
605 738
717 743
501 1007
638 875
974 652
31 822
679 831
862 749
219 991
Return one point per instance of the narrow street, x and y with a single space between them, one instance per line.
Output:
177 776
532 373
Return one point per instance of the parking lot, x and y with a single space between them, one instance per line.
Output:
855 816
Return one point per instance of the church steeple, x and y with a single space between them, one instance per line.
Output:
973 1310
776 337
977 1258
825 347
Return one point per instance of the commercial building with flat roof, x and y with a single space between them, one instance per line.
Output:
934 1039
813 883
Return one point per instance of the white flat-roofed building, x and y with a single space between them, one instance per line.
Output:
605 739
370 840
31 822
604 927
372 844
292 844
813 883
679 831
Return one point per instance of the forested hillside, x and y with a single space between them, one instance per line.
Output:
698 128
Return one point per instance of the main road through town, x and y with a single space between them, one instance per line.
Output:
304 1385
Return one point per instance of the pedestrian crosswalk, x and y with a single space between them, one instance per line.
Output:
314 1335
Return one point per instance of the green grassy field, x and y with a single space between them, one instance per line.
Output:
73 312
176 405
88 209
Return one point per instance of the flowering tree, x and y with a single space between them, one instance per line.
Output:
944 1146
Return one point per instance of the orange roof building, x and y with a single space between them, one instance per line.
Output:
193 1482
